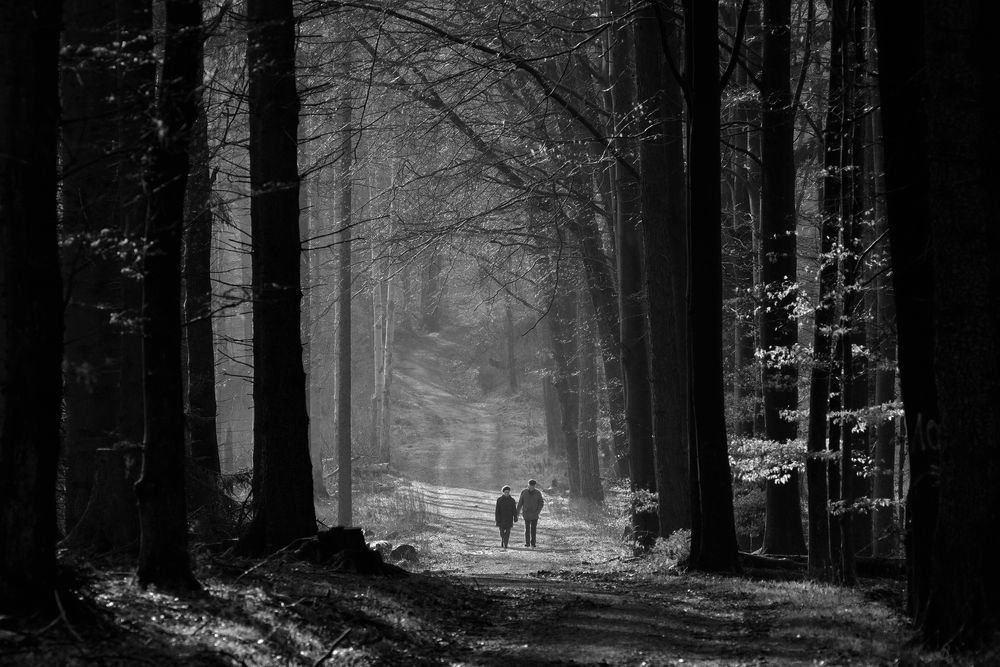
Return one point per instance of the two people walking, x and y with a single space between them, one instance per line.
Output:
529 506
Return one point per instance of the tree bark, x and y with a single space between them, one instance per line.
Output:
31 315
783 522
163 556
665 246
963 608
283 501
563 340
203 440
345 219
590 471
902 86
135 94
713 530
634 352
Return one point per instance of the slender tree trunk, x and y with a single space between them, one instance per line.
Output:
563 339
885 442
511 344
713 530
634 355
345 219
283 500
163 557
385 382
430 294
31 315
378 350
590 472
783 522
604 295
136 85
201 408
665 244
553 417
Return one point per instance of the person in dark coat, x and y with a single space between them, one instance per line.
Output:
506 514
529 505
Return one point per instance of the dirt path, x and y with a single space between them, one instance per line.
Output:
578 598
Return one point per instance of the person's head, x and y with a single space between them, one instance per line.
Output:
505 490
531 483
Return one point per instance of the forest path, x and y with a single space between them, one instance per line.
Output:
579 598
459 452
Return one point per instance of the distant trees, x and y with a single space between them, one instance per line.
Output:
31 316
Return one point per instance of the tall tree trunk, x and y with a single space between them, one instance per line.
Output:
511 342
379 284
902 74
963 609
554 438
713 530
634 355
604 295
783 522
430 293
309 204
163 557
283 500
562 330
31 315
345 219
90 277
590 472
135 94
385 382
885 436
665 244
201 408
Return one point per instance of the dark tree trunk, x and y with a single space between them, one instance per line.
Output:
783 522
746 194
963 608
430 294
590 471
634 353
163 557
554 437
820 554
883 524
664 228
604 295
902 72
31 315
203 440
90 277
713 531
563 340
283 501
345 215
135 93
510 344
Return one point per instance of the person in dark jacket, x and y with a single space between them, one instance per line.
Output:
529 505
506 514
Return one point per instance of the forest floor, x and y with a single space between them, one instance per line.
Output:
579 598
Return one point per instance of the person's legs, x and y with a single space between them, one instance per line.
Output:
534 529
504 536
527 532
